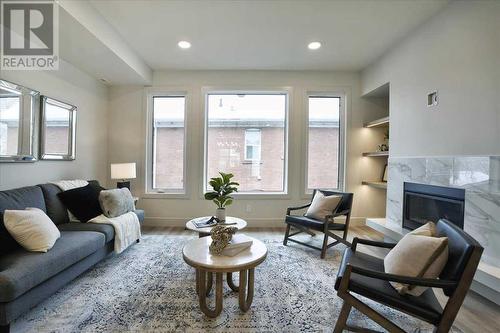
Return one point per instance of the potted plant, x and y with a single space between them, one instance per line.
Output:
221 195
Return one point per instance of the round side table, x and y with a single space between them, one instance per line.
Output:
196 254
202 232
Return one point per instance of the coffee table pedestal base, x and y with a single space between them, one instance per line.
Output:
204 286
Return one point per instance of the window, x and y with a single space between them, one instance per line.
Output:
168 144
325 143
252 144
9 123
246 136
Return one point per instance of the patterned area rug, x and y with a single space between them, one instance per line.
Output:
150 288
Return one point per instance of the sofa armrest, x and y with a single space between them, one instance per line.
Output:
140 215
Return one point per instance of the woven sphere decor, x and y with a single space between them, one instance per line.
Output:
221 236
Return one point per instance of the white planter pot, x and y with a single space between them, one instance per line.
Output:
220 214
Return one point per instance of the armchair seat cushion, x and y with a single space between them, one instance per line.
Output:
425 306
312 223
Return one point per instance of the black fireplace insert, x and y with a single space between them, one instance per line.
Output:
423 203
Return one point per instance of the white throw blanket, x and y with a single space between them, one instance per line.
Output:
127 229
127 226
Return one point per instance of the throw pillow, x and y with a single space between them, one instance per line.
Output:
322 205
83 202
418 254
32 229
428 229
116 202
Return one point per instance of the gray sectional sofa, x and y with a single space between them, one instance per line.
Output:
27 278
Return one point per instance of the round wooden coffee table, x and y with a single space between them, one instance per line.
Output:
230 222
197 255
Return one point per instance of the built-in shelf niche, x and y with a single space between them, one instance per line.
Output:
379 99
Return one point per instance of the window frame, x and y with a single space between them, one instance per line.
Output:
306 192
256 130
285 91
150 147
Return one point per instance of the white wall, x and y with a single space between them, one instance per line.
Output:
90 96
127 141
457 53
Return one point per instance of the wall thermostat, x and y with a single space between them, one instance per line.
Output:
432 99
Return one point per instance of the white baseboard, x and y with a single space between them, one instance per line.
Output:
252 222
486 292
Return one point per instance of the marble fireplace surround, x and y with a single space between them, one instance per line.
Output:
479 176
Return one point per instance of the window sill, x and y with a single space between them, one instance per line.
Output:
262 196
251 162
166 195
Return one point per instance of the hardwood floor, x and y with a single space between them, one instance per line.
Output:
477 314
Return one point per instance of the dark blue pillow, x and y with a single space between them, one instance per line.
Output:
83 202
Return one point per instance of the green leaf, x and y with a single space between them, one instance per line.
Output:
211 195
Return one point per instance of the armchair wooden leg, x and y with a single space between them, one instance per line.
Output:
287 232
372 314
342 319
344 236
325 246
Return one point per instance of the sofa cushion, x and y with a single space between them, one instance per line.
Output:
21 270
56 210
106 229
83 202
19 198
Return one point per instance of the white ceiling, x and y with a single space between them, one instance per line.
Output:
88 53
264 34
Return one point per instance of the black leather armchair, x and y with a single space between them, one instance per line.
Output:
307 225
364 275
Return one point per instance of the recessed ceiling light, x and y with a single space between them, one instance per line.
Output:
314 45
184 44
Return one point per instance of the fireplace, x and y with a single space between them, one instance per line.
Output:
423 203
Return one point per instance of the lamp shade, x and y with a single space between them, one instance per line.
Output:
123 171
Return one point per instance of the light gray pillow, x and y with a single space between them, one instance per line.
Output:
322 205
116 202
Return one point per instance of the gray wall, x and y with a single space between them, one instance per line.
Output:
128 142
457 53
90 96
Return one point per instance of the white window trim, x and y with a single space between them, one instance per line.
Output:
343 95
288 92
166 193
